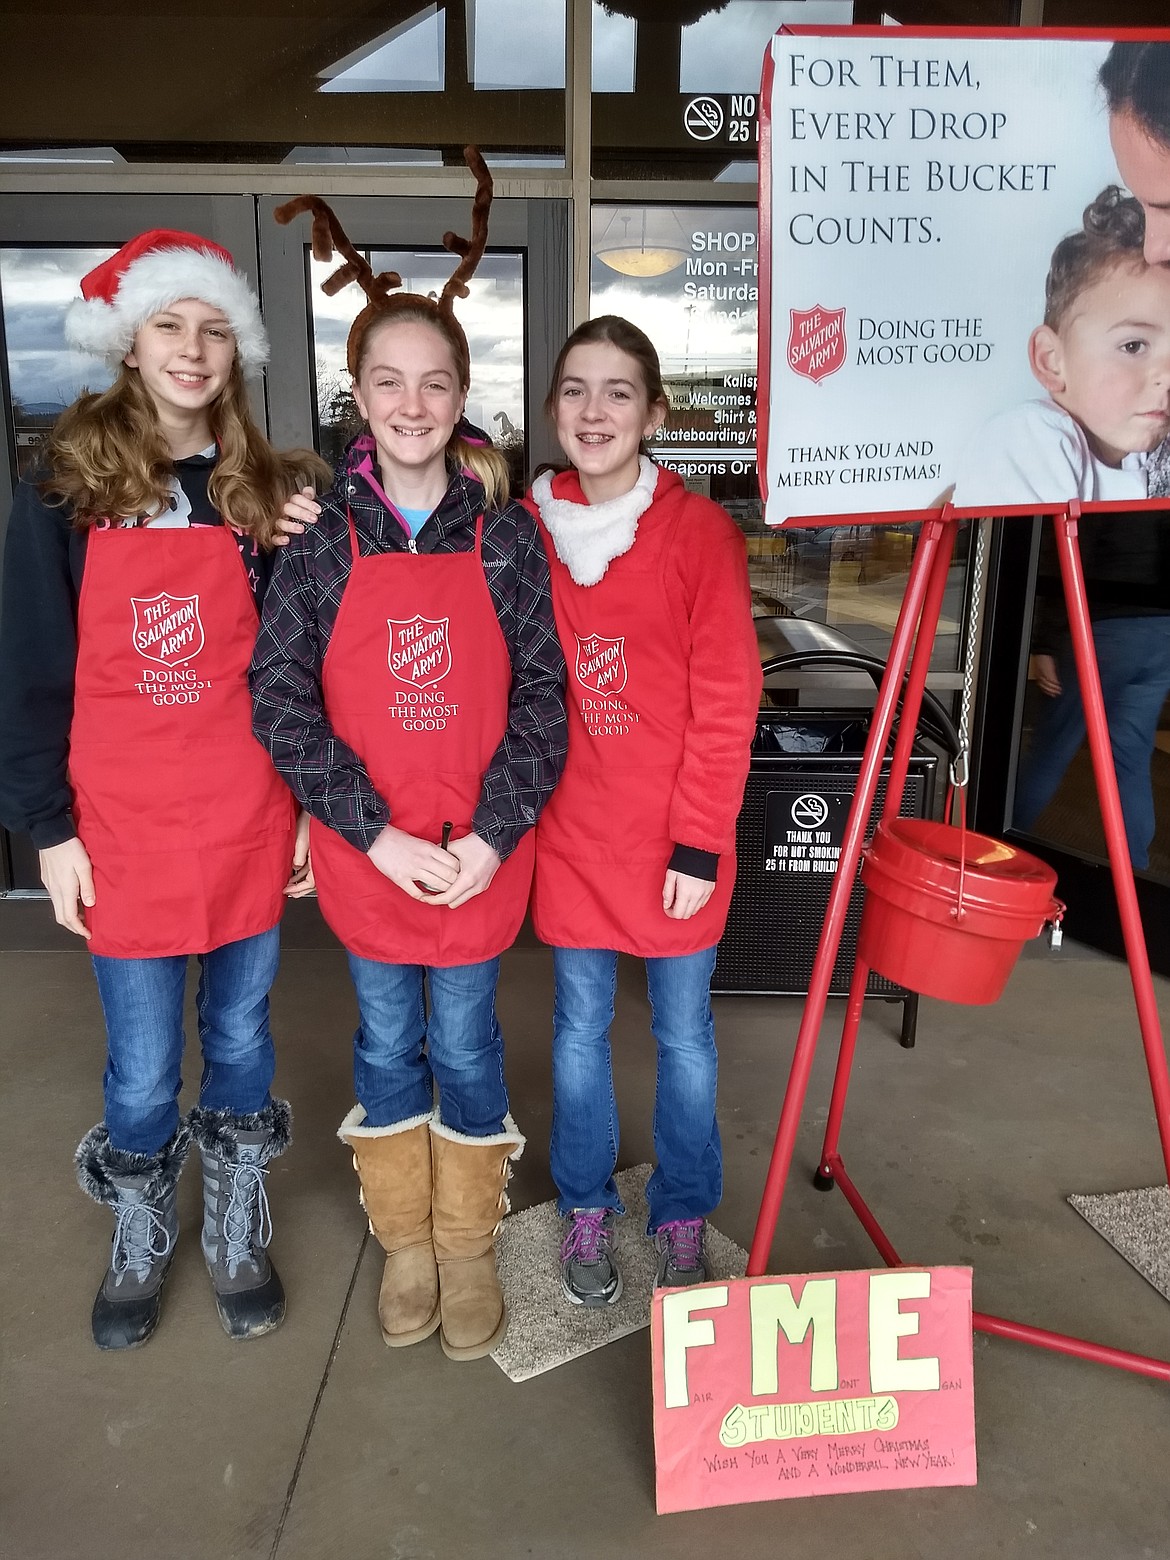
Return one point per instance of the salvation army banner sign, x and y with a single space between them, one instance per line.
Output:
818 1384
963 296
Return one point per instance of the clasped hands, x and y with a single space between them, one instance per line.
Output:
431 874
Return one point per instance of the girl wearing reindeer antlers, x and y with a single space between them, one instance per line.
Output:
126 751
409 685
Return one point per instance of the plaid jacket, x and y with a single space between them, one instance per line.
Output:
300 609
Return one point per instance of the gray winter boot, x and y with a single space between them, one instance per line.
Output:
236 1226
140 1188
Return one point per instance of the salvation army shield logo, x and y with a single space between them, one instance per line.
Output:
816 342
420 650
167 629
601 663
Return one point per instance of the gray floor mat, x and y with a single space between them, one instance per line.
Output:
544 1329
1137 1225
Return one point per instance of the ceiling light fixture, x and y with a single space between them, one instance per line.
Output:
642 241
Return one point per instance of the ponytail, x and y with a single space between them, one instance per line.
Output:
486 465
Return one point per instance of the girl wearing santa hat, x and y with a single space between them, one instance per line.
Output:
409 684
129 615
636 851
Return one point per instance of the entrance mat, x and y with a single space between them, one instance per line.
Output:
545 1329
1137 1225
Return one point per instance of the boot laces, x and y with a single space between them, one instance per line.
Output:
587 1236
247 1222
141 1238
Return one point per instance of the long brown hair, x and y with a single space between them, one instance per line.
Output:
484 461
627 338
108 459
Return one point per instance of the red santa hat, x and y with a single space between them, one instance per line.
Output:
146 276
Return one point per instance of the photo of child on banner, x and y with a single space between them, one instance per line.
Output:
1103 356
914 192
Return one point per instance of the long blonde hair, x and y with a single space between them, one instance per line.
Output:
108 459
486 464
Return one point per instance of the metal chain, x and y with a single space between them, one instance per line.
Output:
961 766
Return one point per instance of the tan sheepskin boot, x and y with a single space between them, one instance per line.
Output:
394 1166
469 1203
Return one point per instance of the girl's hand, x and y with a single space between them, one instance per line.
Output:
300 510
1043 669
301 882
421 869
478 865
683 896
68 875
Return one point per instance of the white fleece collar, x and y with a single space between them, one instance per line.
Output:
588 537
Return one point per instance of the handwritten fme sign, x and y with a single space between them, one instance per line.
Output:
915 191
767 1388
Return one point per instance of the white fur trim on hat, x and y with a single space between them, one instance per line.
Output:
152 284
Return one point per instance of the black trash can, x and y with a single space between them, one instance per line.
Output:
800 786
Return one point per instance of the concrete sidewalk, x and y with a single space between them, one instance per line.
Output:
318 1441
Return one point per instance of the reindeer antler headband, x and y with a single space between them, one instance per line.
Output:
329 240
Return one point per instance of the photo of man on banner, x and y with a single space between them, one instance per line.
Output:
1103 351
1136 81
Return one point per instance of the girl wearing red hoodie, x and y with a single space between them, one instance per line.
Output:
635 851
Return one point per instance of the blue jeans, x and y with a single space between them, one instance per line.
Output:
687 1182
142 1000
1133 655
399 1054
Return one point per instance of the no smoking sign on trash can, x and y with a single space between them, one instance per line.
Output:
804 833
789 835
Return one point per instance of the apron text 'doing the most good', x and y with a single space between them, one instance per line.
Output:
187 824
416 681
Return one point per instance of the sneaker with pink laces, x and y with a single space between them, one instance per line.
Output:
589 1274
679 1245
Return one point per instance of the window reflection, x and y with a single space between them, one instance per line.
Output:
43 374
85 156
492 317
675 86
368 156
615 42
724 51
409 57
435 74
494 28
738 173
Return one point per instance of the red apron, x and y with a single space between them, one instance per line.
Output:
416 680
603 841
187 824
